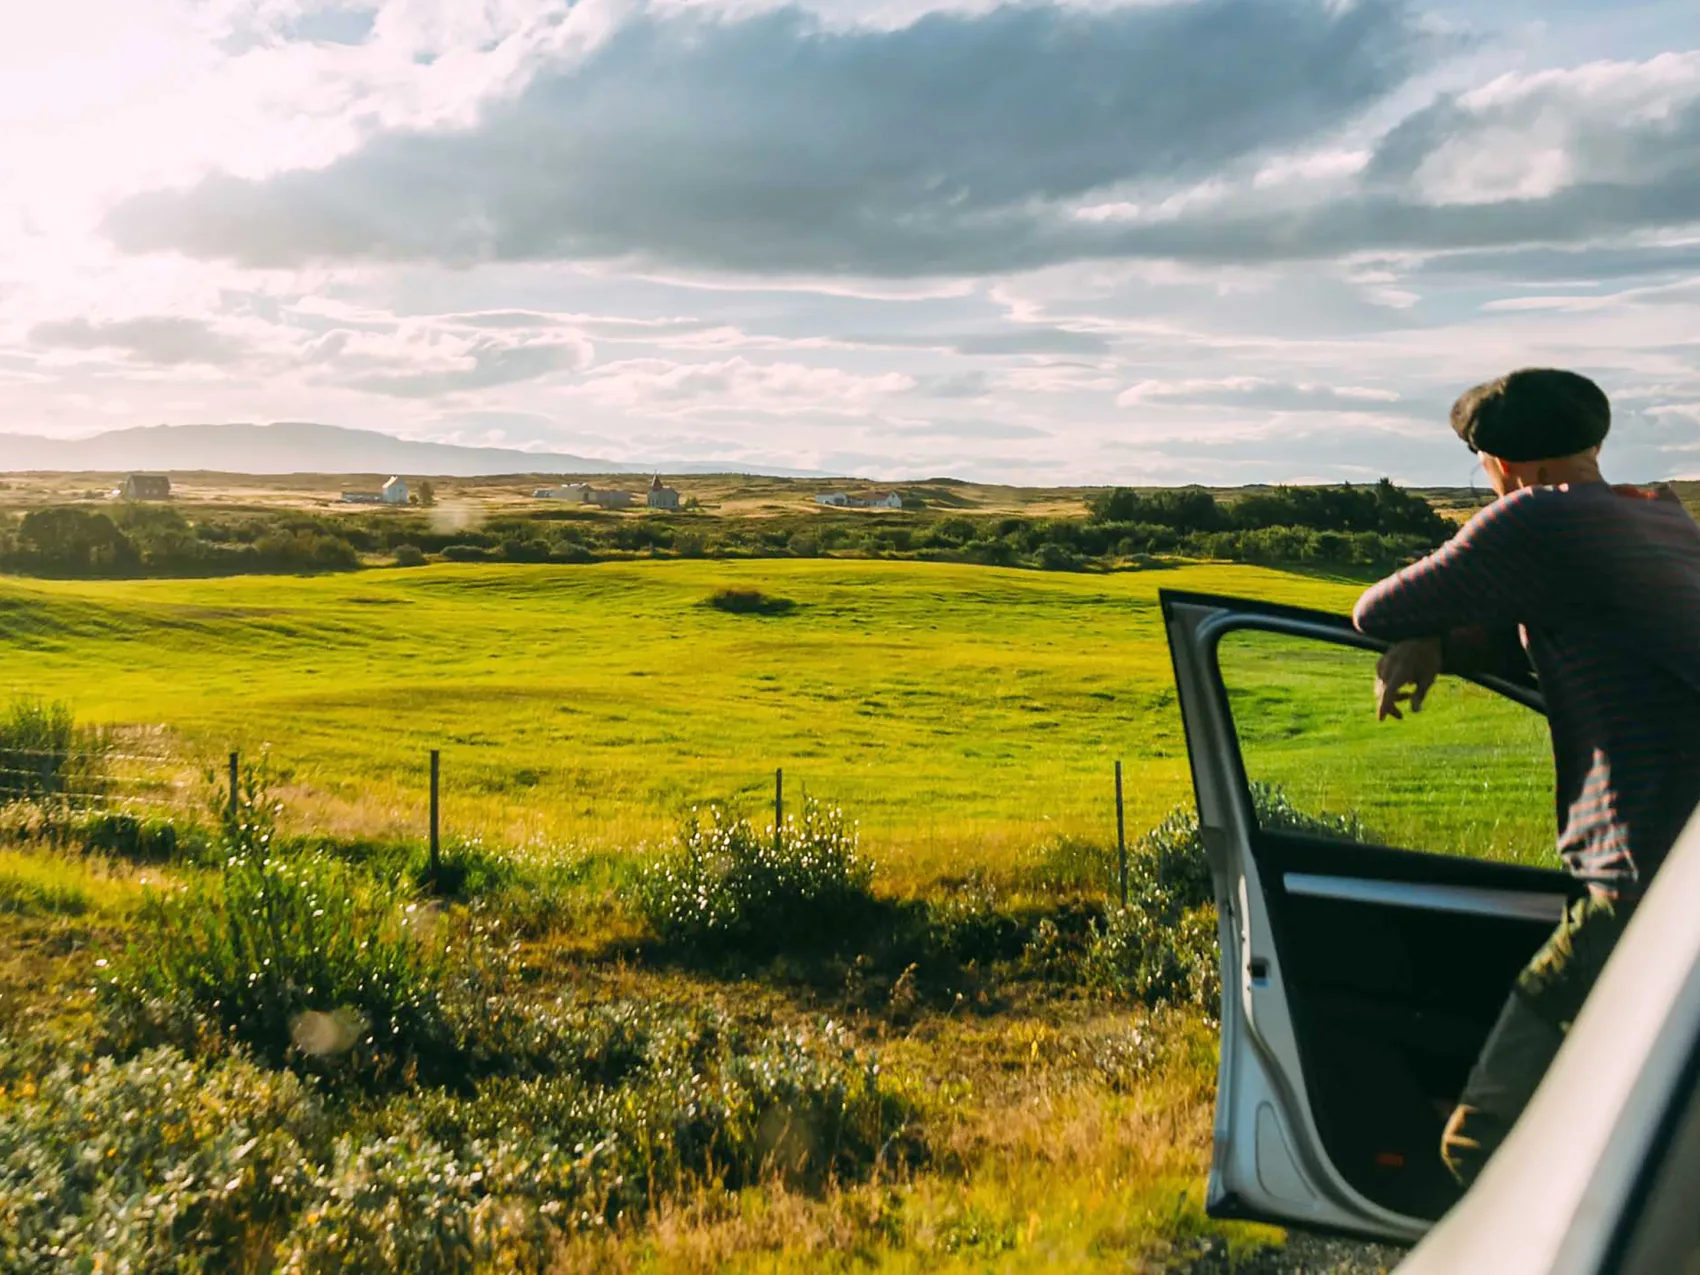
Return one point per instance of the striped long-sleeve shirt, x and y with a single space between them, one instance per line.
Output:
1604 584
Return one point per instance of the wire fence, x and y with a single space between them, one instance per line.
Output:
446 798
95 778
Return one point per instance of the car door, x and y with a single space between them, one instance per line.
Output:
1378 884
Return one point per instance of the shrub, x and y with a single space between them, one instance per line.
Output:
456 1184
1055 557
749 602
1072 863
157 1164
409 556
44 755
1157 952
465 869
515 549
1162 946
289 956
461 552
305 549
730 886
166 1163
141 838
1276 813
968 926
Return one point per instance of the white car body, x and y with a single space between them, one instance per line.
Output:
1298 911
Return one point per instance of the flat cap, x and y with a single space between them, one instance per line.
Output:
1535 413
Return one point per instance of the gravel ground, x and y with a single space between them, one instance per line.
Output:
1301 1255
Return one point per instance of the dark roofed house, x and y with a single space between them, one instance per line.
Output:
147 487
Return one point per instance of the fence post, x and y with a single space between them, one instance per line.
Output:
436 844
1121 835
235 759
778 804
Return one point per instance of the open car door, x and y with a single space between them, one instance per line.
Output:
1379 885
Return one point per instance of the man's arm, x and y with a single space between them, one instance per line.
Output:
1458 609
1476 651
1495 574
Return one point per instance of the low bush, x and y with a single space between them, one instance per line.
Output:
749 602
729 886
157 1164
46 756
465 869
291 957
1072 863
409 556
1156 952
165 1162
465 553
142 838
967 925
1162 948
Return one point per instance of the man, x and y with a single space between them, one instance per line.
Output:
1600 586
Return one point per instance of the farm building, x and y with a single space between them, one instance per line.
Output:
607 499
662 497
395 492
574 493
876 500
146 487
362 497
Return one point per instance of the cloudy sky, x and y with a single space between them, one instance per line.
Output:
1153 240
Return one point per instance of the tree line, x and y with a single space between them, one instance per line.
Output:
1366 526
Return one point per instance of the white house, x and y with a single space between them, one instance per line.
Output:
662 497
395 492
875 500
573 493
608 499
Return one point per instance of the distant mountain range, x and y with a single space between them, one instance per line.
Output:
301 448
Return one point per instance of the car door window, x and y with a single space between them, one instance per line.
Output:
1471 774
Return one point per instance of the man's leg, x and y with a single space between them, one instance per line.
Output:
1546 999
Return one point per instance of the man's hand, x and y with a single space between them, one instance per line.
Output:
1413 663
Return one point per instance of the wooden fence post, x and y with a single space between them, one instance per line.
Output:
436 843
1121 835
235 780
778 805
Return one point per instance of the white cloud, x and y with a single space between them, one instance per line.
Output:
1259 392
771 144
423 361
736 385
159 339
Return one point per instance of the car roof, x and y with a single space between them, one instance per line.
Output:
1551 1199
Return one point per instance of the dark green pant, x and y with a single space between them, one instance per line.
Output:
1544 1002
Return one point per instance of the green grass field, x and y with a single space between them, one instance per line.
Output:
964 714
958 711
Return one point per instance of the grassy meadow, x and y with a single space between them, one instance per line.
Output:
962 713
1045 1063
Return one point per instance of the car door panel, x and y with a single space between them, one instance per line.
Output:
1358 980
